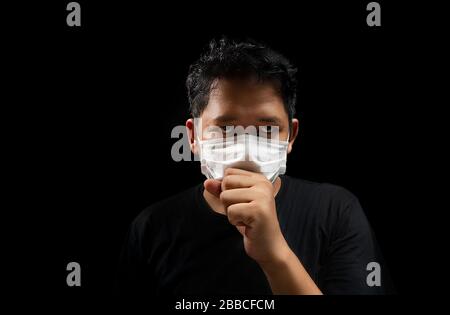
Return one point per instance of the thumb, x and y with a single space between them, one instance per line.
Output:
213 186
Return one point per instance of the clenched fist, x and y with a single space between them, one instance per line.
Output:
247 199
248 202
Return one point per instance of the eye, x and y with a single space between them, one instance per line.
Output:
227 130
266 129
269 131
214 132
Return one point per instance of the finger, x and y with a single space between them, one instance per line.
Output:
237 171
213 186
237 181
240 214
237 195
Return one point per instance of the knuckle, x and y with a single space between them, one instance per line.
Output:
228 171
223 196
265 183
225 183
228 182
265 187
261 177
259 207
261 190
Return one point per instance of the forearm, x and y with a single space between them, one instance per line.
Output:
288 276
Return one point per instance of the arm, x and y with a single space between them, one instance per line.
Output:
288 276
248 202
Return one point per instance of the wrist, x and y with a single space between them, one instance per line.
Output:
279 261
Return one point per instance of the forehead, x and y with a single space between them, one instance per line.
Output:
239 100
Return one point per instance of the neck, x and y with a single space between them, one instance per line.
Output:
215 203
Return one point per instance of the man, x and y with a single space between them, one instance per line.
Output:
248 229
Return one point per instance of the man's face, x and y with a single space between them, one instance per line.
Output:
244 103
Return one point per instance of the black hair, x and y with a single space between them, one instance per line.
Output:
226 59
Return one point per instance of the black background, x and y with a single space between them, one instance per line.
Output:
97 105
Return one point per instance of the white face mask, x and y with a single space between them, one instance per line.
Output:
247 152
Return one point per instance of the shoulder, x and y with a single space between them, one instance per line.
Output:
330 204
336 210
320 194
161 211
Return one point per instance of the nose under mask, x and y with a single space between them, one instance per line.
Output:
247 152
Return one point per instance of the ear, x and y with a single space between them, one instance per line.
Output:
191 135
294 134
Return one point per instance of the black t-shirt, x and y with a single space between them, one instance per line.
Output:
181 246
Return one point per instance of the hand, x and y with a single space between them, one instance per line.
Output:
248 200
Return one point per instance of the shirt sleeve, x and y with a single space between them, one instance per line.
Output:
353 256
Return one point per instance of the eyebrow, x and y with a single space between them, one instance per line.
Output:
270 119
230 118
225 118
